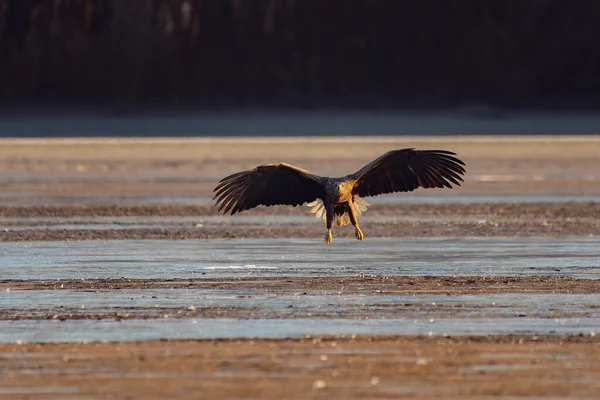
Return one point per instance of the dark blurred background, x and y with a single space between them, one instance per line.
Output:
301 53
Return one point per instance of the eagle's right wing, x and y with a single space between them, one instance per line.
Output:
407 169
267 185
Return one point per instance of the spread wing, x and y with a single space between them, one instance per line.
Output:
407 169
267 185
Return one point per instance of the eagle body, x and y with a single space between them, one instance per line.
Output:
339 196
338 200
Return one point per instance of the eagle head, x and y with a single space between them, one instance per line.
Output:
344 187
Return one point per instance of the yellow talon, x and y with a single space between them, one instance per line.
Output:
359 234
328 237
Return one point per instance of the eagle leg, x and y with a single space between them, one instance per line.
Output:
330 216
354 219
328 237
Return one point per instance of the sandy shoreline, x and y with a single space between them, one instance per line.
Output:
313 367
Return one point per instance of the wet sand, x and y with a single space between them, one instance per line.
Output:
381 220
47 182
349 285
313 367
114 171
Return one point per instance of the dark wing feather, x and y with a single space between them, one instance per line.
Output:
407 169
267 185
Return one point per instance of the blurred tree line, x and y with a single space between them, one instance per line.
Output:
301 52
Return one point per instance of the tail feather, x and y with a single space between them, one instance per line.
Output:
318 208
360 205
343 219
315 206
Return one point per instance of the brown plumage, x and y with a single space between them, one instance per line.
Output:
338 198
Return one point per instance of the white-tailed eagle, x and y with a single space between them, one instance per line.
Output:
338 198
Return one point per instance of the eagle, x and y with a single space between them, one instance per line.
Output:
338 199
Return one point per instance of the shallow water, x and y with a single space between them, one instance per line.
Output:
131 330
576 257
290 313
299 304
325 301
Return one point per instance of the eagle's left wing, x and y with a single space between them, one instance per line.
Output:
267 185
407 169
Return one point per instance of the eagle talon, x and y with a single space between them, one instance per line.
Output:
328 237
359 234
